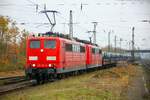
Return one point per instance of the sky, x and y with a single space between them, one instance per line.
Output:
115 16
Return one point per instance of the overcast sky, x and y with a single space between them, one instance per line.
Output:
117 16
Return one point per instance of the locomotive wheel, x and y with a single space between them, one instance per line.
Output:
43 78
37 77
59 76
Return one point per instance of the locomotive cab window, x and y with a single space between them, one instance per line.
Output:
35 44
100 51
93 50
50 44
68 47
82 49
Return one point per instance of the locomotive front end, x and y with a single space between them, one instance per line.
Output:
42 57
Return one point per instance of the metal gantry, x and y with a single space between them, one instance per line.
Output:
53 12
71 25
94 32
132 53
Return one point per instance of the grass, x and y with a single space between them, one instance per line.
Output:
147 75
108 84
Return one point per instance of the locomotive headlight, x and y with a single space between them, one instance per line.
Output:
33 65
49 65
51 58
33 58
41 50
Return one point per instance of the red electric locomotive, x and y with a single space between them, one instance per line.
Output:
52 56
94 56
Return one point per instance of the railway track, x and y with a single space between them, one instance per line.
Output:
19 82
10 87
13 83
11 80
15 77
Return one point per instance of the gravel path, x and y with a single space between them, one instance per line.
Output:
137 88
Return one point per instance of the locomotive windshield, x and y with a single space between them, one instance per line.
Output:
34 44
50 44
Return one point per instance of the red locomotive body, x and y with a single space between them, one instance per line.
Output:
94 56
74 55
42 52
48 56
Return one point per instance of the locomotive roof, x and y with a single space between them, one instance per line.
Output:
60 38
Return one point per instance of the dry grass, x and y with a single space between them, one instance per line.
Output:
12 73
109 84
147 75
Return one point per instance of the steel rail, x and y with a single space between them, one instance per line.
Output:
14 77
7 88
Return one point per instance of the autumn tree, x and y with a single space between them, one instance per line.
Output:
3 31
22 48
12 44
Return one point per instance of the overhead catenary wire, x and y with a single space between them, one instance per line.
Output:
80 25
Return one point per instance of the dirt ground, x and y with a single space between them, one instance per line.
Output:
124 82
12 73
137 90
